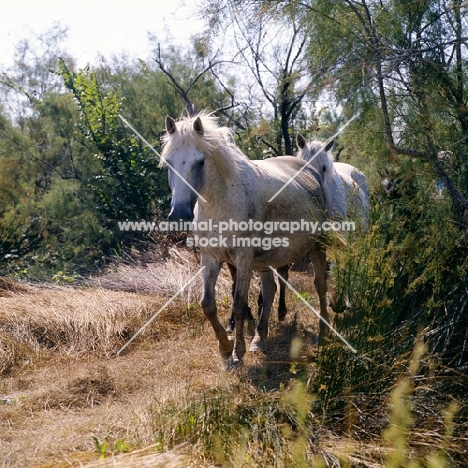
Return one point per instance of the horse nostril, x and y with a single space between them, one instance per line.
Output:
181 213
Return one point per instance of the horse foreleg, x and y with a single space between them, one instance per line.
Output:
268 294
241 304
210 275
319 260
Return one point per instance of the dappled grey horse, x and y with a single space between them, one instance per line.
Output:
345 186
206 166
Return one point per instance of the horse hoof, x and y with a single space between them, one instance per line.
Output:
281 316
254 348
257 346
233 364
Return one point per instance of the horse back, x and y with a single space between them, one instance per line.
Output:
287 168
354 174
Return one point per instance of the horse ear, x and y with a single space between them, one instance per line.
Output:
198 126
301 141
329 145
170 125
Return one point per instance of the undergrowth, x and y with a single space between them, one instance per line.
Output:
400 401
402 293
237 425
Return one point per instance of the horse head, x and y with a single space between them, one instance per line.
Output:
186 168
319 156
321 159
201 157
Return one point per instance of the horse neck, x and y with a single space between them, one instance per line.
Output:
335 192
223 174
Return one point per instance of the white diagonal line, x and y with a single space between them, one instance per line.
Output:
315 312
311 159
157 154
160 310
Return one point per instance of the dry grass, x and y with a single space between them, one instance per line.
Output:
56 402
8 287
144 458
13 353
164 277
68 320
102 316
62 383
66 398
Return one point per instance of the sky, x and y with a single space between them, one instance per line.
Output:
97 27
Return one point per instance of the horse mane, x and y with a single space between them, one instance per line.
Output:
216 143
325 158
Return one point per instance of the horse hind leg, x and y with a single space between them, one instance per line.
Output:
241 299
268 294
248 311
319 260
282 310
259 302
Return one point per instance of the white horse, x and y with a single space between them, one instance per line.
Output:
346 193
200 153
345 187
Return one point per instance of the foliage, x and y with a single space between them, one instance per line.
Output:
104 448
70 169
250 428
241 426
124 185
405 281
47 220
406 61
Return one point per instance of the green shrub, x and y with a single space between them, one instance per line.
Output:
403 281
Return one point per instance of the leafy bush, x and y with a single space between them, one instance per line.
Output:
405 280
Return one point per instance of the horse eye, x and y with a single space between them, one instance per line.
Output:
324 168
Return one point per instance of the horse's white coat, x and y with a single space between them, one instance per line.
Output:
239 189
345 187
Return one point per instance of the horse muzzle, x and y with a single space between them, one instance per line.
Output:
181 213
